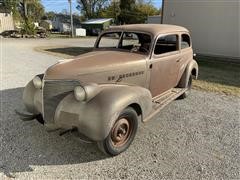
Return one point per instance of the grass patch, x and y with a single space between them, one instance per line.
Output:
214 76
222 77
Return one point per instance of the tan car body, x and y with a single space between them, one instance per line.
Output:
123 79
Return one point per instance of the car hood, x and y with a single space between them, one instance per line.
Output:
93 63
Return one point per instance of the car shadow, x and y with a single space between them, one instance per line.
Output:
27 144
70 51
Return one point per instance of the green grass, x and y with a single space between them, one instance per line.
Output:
214 76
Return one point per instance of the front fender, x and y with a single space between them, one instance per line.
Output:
95 118
32 98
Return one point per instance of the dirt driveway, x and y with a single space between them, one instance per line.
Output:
193 138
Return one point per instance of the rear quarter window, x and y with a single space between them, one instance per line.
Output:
185 41
166 44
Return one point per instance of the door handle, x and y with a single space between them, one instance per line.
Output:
150 66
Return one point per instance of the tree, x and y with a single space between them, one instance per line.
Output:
35 10
144 10
136 11
24 9
91 8
127 14
111 11
26 12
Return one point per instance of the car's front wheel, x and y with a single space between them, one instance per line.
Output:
121 134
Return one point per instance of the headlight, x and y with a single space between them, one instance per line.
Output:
37 82
79 93
87 92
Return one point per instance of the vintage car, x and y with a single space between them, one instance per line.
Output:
131 74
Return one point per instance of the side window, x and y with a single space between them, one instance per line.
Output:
130 39
185 41
109 40
166 44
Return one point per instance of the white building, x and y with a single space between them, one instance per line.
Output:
214 25
61 22
154 19
6 22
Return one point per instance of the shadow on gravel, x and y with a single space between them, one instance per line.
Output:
71 51
27 144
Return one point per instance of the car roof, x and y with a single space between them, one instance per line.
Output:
154 29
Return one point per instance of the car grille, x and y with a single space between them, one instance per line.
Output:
53 93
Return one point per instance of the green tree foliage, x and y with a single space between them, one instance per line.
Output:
127 14
143 10
111 11
24 9
91 8
129 11
26 12
10 6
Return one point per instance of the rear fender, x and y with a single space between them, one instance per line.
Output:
191 69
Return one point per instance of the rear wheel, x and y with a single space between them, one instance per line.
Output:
189 87
121 134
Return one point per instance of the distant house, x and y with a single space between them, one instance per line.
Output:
47 24
95 26
154 19
62 22
6 22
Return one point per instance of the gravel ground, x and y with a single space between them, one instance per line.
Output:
193 138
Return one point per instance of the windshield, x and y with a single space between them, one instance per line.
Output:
129 41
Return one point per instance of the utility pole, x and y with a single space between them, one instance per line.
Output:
70 4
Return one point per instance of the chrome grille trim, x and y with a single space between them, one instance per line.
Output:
53 92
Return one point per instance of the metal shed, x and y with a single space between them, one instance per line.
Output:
95 26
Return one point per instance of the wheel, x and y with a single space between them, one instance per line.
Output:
121 134
189 86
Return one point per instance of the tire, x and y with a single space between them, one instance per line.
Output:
189 87
121 134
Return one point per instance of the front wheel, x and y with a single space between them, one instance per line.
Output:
121 134
189 87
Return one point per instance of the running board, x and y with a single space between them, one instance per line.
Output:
159 102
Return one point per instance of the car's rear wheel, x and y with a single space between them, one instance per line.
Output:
189 87
121 134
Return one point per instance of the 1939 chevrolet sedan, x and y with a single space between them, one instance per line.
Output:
132 73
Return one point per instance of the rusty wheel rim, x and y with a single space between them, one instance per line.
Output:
121 132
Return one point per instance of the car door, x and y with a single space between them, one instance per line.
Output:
164 64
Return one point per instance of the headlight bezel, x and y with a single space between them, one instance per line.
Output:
37 82
87 92
79 93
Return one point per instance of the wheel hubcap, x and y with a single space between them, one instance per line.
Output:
120 132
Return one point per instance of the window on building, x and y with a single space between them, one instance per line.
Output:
166 44
185 41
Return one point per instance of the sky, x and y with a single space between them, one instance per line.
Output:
59 5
